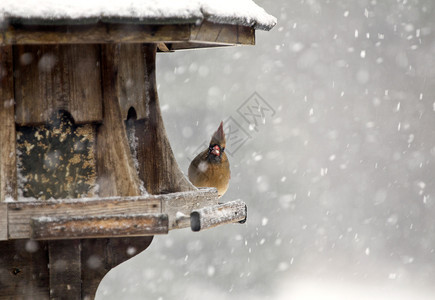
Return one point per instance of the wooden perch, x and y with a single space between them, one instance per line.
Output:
20 213
212 216
175 207
43 228
100 217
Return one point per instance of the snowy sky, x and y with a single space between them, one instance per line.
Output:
339 182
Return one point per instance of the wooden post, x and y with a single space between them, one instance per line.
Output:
8 169
3 221
23 270
117 175
99 256
65 269
158 167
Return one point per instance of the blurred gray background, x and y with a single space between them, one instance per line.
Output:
337 173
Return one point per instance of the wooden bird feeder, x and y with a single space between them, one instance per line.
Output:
87 174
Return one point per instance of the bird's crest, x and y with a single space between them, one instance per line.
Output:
218 137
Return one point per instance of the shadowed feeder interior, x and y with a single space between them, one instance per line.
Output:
56 160
87 174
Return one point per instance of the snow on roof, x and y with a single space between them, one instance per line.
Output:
237 12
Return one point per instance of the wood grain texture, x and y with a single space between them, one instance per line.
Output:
212 216
245 35
117 175
185 203
49 78
222 34
210 35
162 47
8 168
207 32
94 34
65 269
192 45
158 168
43 228
95 264
131 87
3 221
23 270
99 256
20 213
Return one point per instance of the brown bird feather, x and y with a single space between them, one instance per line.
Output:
211 167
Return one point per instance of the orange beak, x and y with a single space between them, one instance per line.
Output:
216 150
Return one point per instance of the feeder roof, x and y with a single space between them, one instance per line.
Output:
156 12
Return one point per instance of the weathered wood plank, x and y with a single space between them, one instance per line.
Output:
158 168
20 213
117 174
94 264
43 228
245 35
23 270
65 269
201 33
228 34
185 203
210 35
193 45
162 47
209 217
94 34
131 89
181 220
207 32
99 256
3 221
49 78
8 167
222 34
134 33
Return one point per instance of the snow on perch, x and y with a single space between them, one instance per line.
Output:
235 12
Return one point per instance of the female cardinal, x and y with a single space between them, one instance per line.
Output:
211 167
